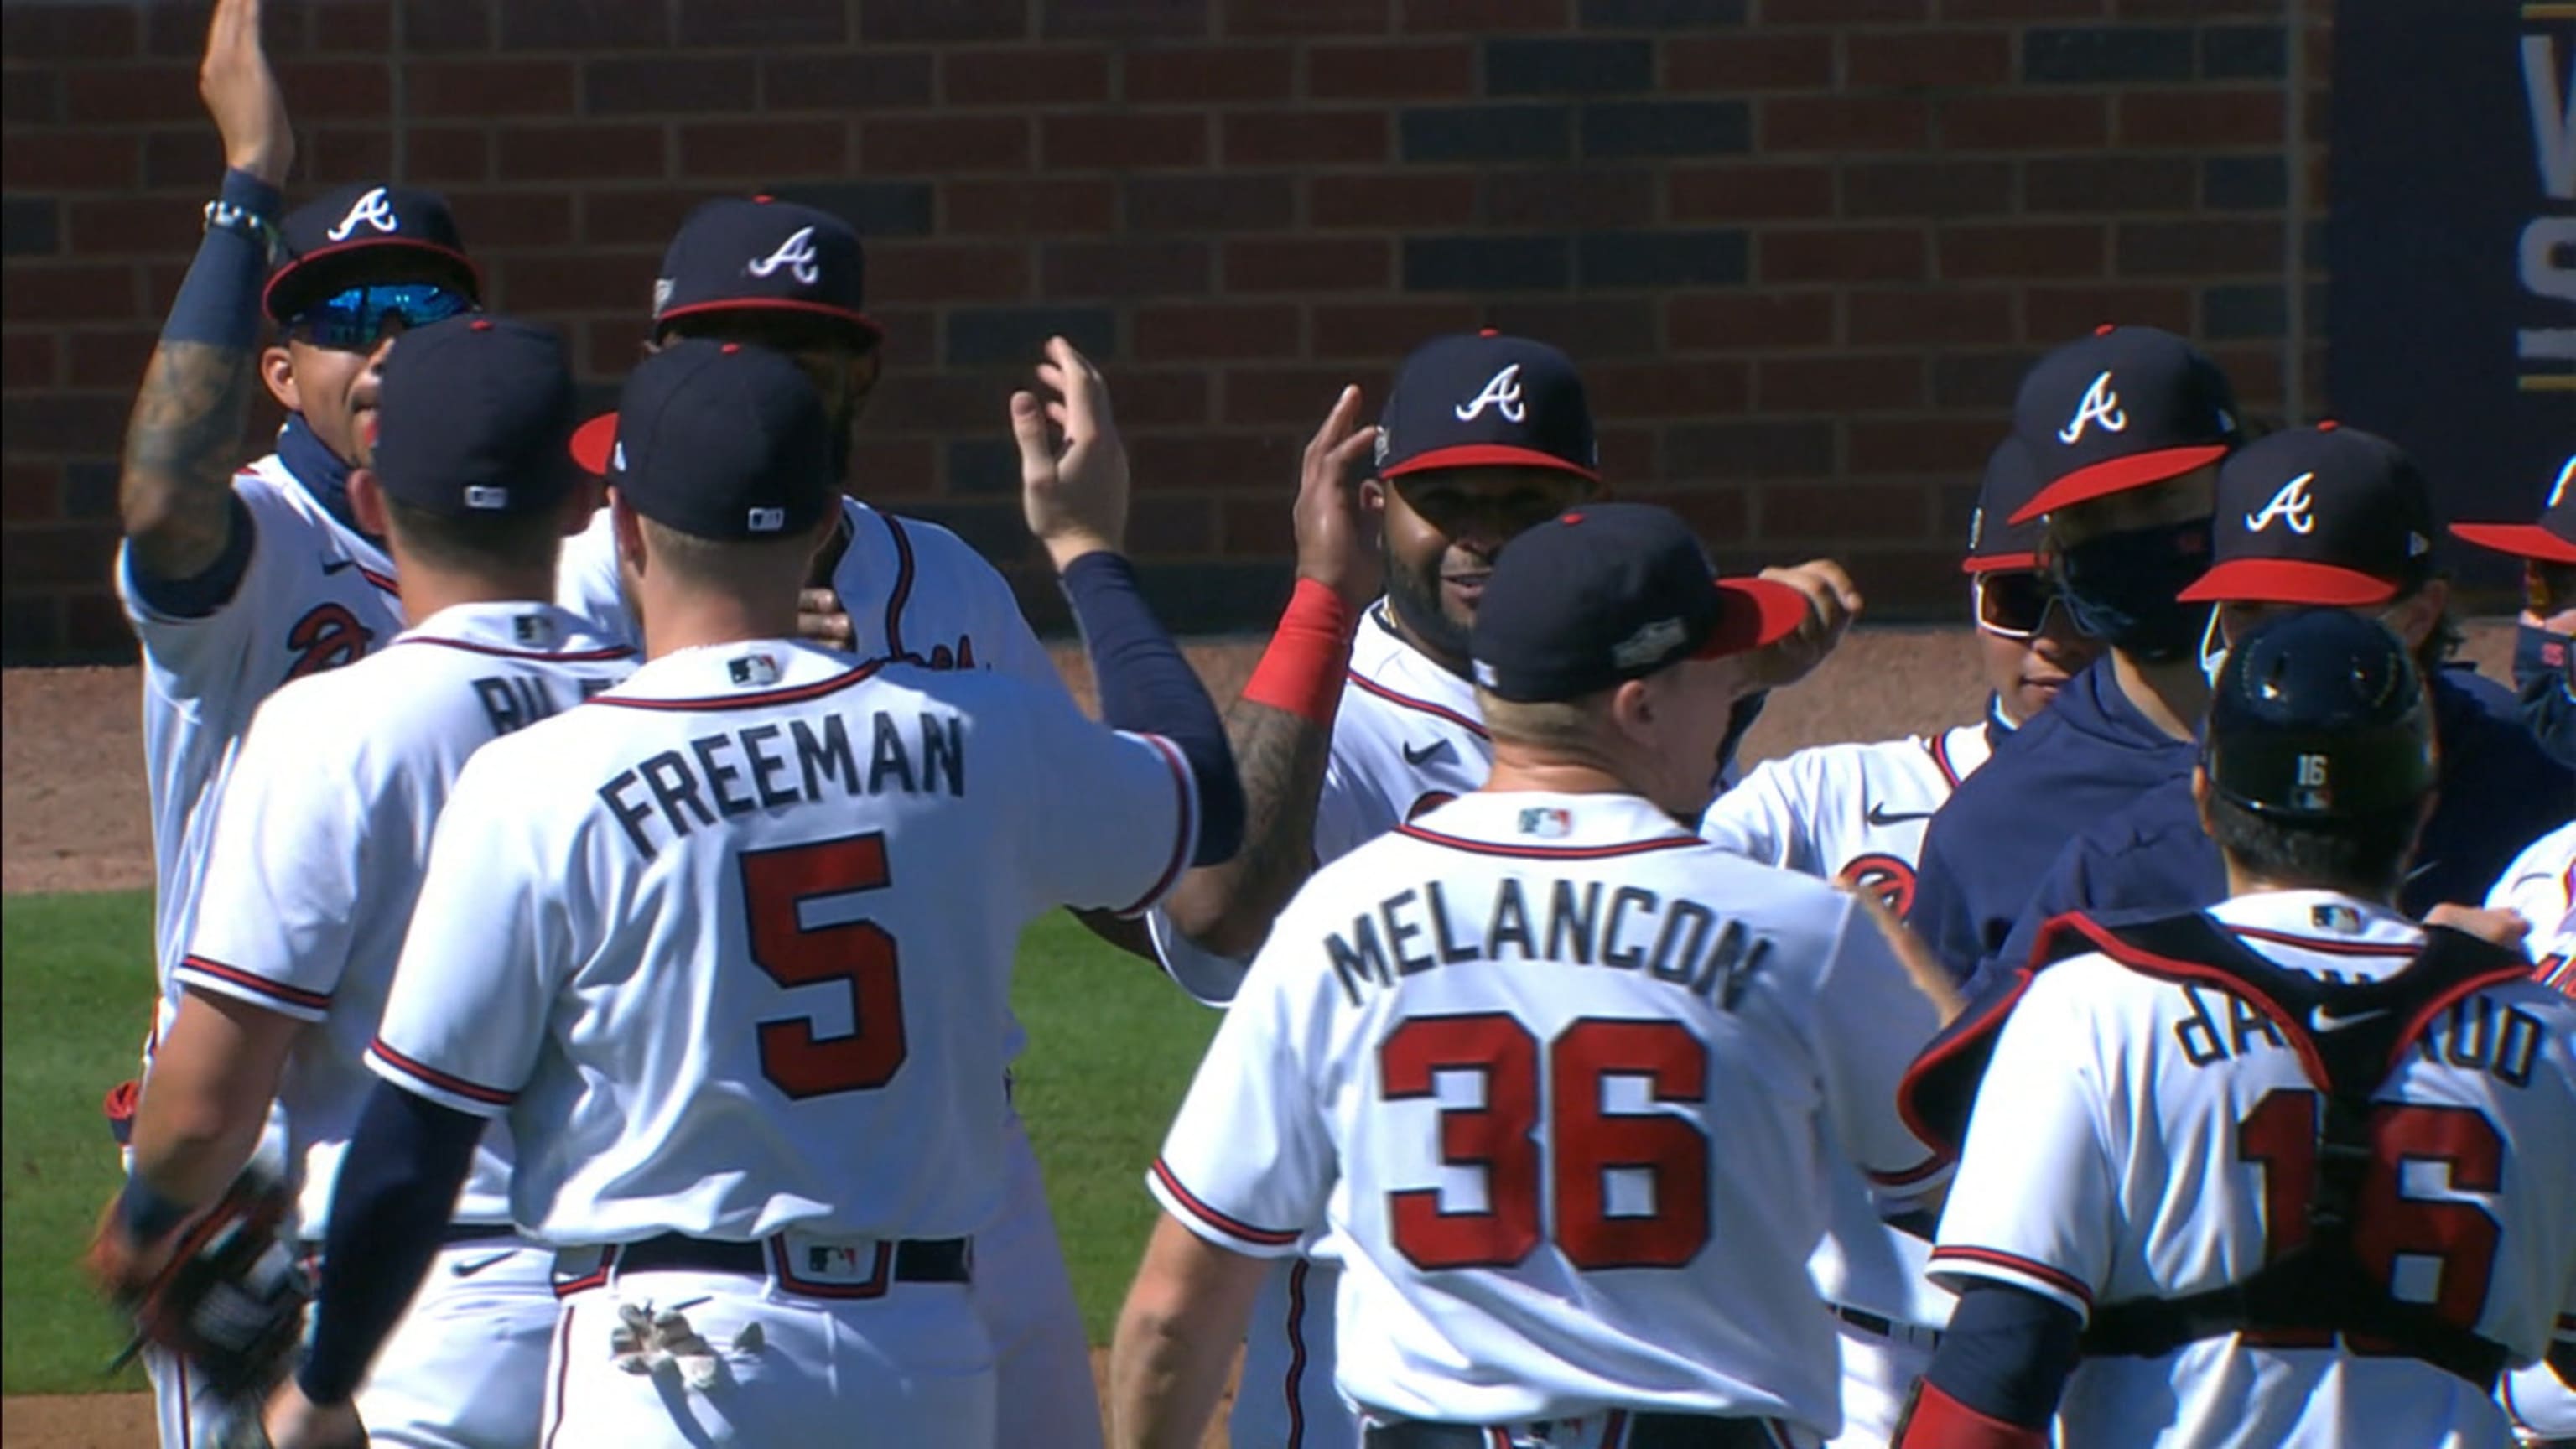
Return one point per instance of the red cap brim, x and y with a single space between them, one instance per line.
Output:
592 443
2287 581
859 321
2118 475
1487 455
1753 614
2524 540
1998 563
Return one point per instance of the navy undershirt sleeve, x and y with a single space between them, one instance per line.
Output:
1146 686
2007 1353
200 596
389 1212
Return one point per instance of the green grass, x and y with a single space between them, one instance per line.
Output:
1112 1045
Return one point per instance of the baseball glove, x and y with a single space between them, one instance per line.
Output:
222 1291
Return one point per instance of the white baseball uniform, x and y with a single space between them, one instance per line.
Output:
1855 813
315 595
1552 1073
317 858
734 943
2540 887
914 588
2134 1137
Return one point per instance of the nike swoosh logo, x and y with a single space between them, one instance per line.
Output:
468 1270
338 565
1878 815
2325 1020
1426 754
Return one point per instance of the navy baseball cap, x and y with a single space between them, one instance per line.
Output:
2551 540
1611 592
471 418
2325 515
365 231
759 254
1994 545
1481 399
721 440
2121 409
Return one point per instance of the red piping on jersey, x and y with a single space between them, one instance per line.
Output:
1436 711
1296 1354
563 1367
1954 1039
278 990
2324 947
1186 833
1550 852
901 594
1939 748
794 694
381 581
187 1405
2167 968
1267 1237
2058 1277
1928 1167
576 656
595 1278
474 1091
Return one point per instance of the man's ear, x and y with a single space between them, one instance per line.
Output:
277 370
2200 798
367 502
628 529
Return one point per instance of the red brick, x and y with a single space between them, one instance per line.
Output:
1738 63
638 218
929 402
1750 192
1127 267
2200 118
1257 528
2255 368
1307 17
1936 316
453 155
940 271
1305 138
1155 398
1304 264
1484 16
130 226
943 145
2024 122
341 89
1233 74
584 281
114 360
186 158
1390 72
1587 198
1749 321
1926 188
2198 249
1177 462
1683 388
1843 12
1125 142
1170 527
74 292
772 23
1125 19
2117 183
614 344
911 333
1210 203
30 493
1038 206
884 467
1842 123
1718 515
840 82
72 32
1391 200
765 149
1857 255
884 22
1381 332
131 95
1833 513
1631 452
484 88
1190 332
1926 445
1590 329
431 27
1839 384
1055 75
27 359
2022 9
580 153
2023 251
2051 315
360 26
1922 60
1284 397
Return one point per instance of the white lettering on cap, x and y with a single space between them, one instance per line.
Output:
486 495
1502 393
373 209
2290 506
2100 405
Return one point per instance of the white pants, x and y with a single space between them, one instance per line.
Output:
1025 1297
1878 1374
1287 1399
908 1369
466 1366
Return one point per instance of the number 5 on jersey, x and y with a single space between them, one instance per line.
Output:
776 885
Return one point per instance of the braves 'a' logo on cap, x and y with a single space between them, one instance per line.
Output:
796 254
2291 505
374 209
1502 393
2101 404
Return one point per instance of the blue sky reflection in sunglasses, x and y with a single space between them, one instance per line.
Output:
356 318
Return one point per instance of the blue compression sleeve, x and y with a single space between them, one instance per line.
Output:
389 1211
2006 1353
1145 685
218 301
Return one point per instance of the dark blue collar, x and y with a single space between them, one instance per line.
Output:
319 469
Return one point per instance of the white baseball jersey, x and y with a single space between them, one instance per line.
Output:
315 595
2540 887
1551 1071
324 834
2139 1138
729 946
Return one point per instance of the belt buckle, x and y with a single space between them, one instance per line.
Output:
822 1267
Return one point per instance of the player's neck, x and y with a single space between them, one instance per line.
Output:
690 619
1523 767
2173 696
428 590
2243 882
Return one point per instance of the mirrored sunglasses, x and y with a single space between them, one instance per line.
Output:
355 320
2014 603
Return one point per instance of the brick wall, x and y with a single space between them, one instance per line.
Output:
1803 248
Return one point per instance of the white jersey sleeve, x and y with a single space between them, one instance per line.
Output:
587 584
1249 1160
1116 815
1758 818
1868 1023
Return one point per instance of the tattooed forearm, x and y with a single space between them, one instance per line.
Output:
180 447
1281 756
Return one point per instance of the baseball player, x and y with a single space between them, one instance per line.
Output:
2544 666
321 844
238 581
1547 1068
1361 715
1855 813
700 939
2290 1171
2327 516
2125 428
2540 887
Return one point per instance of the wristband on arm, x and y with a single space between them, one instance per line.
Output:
1301 672
218 301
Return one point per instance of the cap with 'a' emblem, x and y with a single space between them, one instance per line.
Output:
365 232
721 440
1611 592
2551 540
1995 544
1481 399
471 418
759 254
2121 409
2322 515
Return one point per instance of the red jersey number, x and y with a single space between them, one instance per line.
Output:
775 885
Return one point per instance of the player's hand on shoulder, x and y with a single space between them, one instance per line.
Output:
241 93
821 619
1074 495
1338 509
2495 926
296 1422
1833 602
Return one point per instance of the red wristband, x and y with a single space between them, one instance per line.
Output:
1301 672
1937 1421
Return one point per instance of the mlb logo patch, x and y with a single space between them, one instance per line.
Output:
531 629
766 520
2343 920
486 496
1547 822
754 671
831 1260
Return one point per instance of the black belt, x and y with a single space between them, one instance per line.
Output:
916 1260
1868 1322
1644 1431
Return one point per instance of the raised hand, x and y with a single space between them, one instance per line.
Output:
1833 601
1337 510
241 93
1075 498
